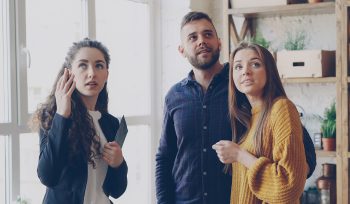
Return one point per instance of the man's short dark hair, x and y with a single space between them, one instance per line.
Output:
195 16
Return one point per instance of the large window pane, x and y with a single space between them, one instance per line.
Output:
2 169
2 74
124 27
4 64
31 188
51 26
2 97
136 151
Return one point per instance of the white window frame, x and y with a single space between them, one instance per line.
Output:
17 108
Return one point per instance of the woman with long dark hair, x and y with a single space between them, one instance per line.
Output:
79 161
266 152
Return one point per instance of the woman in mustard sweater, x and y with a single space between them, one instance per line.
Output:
267 152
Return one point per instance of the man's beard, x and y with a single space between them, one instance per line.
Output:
205 65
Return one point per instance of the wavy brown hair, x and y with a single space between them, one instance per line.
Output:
239 106
81 134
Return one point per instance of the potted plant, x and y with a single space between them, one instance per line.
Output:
296 41
296 61
259 39
329 128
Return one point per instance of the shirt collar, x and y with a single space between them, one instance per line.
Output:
223 74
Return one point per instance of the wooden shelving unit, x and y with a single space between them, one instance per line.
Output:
342 60
309 80
289 10
321 153
340 8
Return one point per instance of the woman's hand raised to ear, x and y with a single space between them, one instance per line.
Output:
64 89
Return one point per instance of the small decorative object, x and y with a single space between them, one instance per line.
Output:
312 196
306 63
329 128
326 184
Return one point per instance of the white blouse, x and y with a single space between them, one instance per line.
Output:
96 176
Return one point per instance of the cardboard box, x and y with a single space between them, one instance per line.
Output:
306 63
262 3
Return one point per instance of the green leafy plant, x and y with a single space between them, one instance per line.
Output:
329 122
260 40
296 41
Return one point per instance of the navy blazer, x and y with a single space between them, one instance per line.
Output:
67 183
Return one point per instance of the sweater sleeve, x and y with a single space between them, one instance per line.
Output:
282 179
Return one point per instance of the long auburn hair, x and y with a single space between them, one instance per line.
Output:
239 106
81 134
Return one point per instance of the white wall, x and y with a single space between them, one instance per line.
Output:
174 66
320 30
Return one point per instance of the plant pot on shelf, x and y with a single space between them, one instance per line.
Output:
328 144
328 127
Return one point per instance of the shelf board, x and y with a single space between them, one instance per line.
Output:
309 80
284 10
348 154
322 153
348 79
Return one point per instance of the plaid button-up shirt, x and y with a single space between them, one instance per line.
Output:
188 170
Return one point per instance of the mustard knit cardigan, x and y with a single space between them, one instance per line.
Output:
279 175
